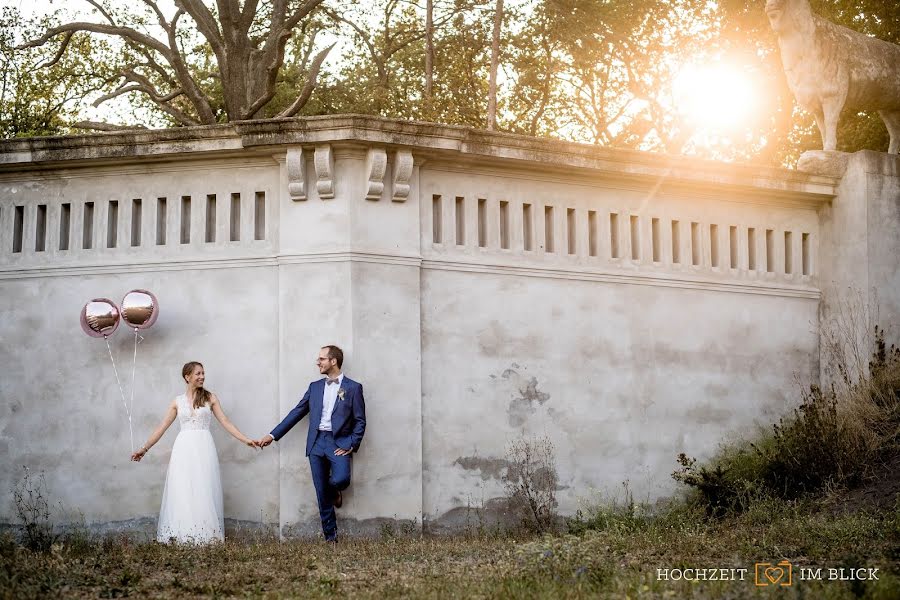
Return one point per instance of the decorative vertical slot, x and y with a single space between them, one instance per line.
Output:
504 224
527 227
714 245
751 248
210 218
185 219
788 253
654 239
40 229
695 244
570 230
18 228
87 226
613 235
112 224
482 222
548 229
259 216
460 216
136 222
65 225
770 250
592 233
676 242
160 221
436 219
235 218
733 246
804 250
635 238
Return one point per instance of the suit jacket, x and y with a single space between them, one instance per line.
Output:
348 420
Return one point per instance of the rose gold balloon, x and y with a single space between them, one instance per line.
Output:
99 317
140 309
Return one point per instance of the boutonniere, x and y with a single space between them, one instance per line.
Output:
341 393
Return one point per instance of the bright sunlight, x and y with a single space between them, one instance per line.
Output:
715 97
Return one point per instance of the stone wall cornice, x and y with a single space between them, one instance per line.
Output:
428 141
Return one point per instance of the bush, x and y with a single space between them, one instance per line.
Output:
531 481
30 497
832 440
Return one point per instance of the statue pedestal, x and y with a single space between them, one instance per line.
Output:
830 163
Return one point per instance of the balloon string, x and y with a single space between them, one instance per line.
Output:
121 391
133 368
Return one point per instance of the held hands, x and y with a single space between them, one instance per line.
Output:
264 441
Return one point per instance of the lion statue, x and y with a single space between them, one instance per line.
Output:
829 67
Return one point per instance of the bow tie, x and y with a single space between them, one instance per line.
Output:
330 381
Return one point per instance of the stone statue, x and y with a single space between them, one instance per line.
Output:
830 67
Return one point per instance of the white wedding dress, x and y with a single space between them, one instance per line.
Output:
191 509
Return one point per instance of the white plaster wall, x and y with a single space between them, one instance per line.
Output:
62 410
150 182
623 361
860 270
883 188
620 377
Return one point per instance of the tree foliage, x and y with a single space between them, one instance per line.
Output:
40 98
790 131
597 71
203 64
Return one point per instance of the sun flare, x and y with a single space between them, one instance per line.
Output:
719 97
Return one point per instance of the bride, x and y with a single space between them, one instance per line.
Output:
191 509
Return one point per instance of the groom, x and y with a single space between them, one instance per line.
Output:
337 422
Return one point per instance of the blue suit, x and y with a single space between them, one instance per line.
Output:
330 473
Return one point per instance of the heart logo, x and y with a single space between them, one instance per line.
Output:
774 574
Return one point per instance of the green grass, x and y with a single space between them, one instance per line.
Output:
616 553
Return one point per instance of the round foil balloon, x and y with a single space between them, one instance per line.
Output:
99 317
140 309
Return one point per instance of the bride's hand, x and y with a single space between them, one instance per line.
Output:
138 455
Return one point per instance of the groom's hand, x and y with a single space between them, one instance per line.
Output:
265 440
342 452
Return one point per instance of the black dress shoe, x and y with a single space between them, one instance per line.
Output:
338 499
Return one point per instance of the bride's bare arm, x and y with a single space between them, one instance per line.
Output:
168 419
216 408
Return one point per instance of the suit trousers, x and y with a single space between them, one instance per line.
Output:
330 474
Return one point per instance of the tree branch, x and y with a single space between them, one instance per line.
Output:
124 32
272 53
123 89
206 23
59 53
248 14
103 12
303 98
301 12
159 15
191 89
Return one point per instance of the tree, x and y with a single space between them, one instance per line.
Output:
495 63
236 60
40 95
789 131
600 71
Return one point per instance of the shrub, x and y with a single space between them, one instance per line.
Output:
30 497
531 481
832 439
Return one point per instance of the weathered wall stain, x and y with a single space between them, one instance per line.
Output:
529 398
490 467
